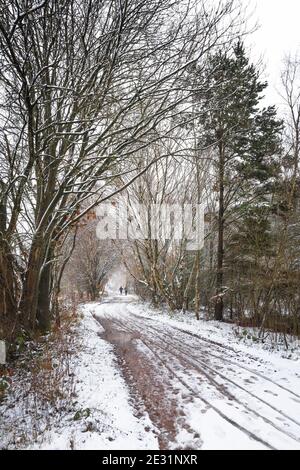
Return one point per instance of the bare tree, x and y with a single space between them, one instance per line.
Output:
291 94
159 260
90 264
73 77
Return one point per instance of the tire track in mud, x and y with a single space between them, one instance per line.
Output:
202 362
219 412
228 394
221 356
151 392
218 386
107 322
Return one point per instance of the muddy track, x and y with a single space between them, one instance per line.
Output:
149 391
162 417
178 346
202 368
168 368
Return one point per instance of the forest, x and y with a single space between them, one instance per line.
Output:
174 117
138 102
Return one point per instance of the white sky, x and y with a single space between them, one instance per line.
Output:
278 34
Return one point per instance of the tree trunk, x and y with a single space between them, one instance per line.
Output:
197 286
219 306
185 303
8 302
30 295
93 293
43 306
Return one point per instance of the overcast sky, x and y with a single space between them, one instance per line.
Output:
278 34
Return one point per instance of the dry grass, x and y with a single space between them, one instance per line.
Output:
42 386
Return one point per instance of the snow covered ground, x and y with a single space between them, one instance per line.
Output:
225 394
244 338
101 415
144 380
105 418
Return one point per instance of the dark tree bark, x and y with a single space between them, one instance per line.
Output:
8 307
30 293
219 306
43 306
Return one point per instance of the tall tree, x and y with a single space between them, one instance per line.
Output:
244 139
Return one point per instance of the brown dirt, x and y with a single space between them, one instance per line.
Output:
152 392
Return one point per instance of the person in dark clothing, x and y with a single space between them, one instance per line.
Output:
125 290
121 290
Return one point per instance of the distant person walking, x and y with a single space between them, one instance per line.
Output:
125 290
121 290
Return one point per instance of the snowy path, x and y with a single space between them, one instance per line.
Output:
200 393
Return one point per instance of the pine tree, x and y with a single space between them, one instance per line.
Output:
245 141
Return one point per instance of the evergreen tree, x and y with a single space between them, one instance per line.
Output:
245 140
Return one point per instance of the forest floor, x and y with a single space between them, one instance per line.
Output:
144 380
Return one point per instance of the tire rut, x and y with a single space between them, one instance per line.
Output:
221 388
